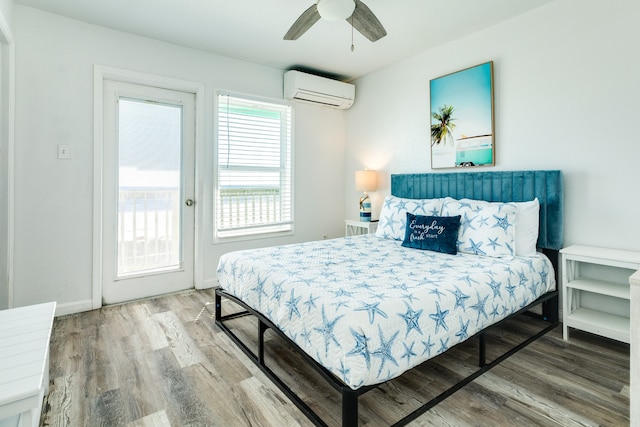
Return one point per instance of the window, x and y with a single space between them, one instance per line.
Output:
254 186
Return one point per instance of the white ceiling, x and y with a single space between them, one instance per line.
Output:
253 29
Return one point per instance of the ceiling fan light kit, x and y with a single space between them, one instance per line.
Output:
355 12
335 10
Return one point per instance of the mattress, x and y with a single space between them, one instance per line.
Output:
368 309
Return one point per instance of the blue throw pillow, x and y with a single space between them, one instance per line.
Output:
433 233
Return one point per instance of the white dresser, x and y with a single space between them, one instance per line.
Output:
24 363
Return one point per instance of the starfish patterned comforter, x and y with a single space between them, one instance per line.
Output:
368 309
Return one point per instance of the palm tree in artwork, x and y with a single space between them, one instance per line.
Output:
442 131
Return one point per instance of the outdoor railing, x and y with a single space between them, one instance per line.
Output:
148 230
149 220
242 207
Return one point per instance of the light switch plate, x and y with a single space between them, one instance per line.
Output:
64 152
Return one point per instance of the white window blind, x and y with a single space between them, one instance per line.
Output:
254 186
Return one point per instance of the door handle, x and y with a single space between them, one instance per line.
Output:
189 202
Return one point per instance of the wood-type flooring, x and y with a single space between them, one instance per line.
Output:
164 362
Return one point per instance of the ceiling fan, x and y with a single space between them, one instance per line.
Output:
354 12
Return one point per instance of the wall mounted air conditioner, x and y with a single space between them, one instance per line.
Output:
318 90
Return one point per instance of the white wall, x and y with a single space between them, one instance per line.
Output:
4 197
6 8
6 123
566 97
55 57
4 175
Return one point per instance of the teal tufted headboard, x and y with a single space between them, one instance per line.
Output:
512 186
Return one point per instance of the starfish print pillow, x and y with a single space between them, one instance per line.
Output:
393 215
485 229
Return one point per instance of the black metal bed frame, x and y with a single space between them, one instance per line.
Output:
350 396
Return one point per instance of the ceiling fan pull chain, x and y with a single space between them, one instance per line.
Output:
352 47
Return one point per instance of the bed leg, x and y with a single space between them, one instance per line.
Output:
550 308
218 307
550 311
482 351
349 408
262 327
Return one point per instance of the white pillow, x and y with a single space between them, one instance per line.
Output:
527 225
486 229
393 215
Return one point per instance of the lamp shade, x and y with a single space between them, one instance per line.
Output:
336 10
366 180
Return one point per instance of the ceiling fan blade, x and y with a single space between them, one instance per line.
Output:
303 23
366 22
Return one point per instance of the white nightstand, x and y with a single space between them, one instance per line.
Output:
354 227
595 290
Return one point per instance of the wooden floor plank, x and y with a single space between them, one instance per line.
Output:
157 419
267 406
148 328
162 362
179 341
60 409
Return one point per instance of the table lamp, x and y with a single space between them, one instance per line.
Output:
366 180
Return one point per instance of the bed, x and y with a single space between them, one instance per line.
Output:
448 261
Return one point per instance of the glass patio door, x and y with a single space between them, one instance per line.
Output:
148 235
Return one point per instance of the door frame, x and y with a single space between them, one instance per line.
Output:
102 73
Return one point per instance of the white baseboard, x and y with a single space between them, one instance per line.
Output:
86 305
73 307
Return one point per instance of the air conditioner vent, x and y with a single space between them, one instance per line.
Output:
318 90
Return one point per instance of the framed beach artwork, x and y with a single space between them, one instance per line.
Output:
462 118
